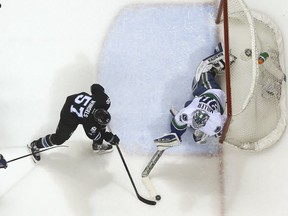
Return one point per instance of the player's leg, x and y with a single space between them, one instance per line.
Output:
207 81
214 63
63 133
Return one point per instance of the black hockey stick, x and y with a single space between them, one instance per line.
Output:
27 155
149 202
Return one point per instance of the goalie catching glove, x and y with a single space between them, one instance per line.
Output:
200 137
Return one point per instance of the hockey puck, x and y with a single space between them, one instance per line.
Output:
158 197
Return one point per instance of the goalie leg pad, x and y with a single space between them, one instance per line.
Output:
214 62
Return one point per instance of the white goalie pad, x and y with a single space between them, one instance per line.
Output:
217 61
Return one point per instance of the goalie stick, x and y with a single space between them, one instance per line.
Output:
27 155
145 174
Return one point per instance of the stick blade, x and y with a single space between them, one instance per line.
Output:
149 202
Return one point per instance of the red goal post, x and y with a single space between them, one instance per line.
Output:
256 93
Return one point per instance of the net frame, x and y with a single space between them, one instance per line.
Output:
222 18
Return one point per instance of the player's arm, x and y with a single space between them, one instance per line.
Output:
98 134
111 138
179 128
218 130
179 123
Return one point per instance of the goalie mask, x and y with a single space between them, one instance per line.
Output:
199 119
102 116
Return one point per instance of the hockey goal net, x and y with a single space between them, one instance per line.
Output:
256 93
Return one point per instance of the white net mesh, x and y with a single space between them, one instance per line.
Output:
258 90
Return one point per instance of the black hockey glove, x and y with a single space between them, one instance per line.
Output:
111 138
218 134
3 162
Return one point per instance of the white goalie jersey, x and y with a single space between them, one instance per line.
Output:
213 103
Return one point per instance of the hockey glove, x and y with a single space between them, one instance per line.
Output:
111 138
200 137
218 134
3 162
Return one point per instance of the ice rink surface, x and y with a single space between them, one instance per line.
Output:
139 52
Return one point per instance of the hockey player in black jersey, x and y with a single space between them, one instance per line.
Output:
88 110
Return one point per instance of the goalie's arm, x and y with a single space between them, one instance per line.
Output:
177 126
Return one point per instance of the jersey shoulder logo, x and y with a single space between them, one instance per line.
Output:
183 117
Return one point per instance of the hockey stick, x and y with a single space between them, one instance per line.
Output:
152 162
145 174
27 155
149 202
142 199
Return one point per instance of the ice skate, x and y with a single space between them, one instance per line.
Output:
102 148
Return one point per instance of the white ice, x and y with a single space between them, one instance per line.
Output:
50 49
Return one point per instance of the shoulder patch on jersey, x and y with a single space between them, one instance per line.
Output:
183 117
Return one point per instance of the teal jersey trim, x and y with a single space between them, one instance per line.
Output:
178 127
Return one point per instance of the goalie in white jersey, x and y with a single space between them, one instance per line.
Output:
205 113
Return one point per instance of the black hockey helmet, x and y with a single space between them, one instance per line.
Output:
102 116
96 89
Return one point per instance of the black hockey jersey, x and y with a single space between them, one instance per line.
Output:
79 108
